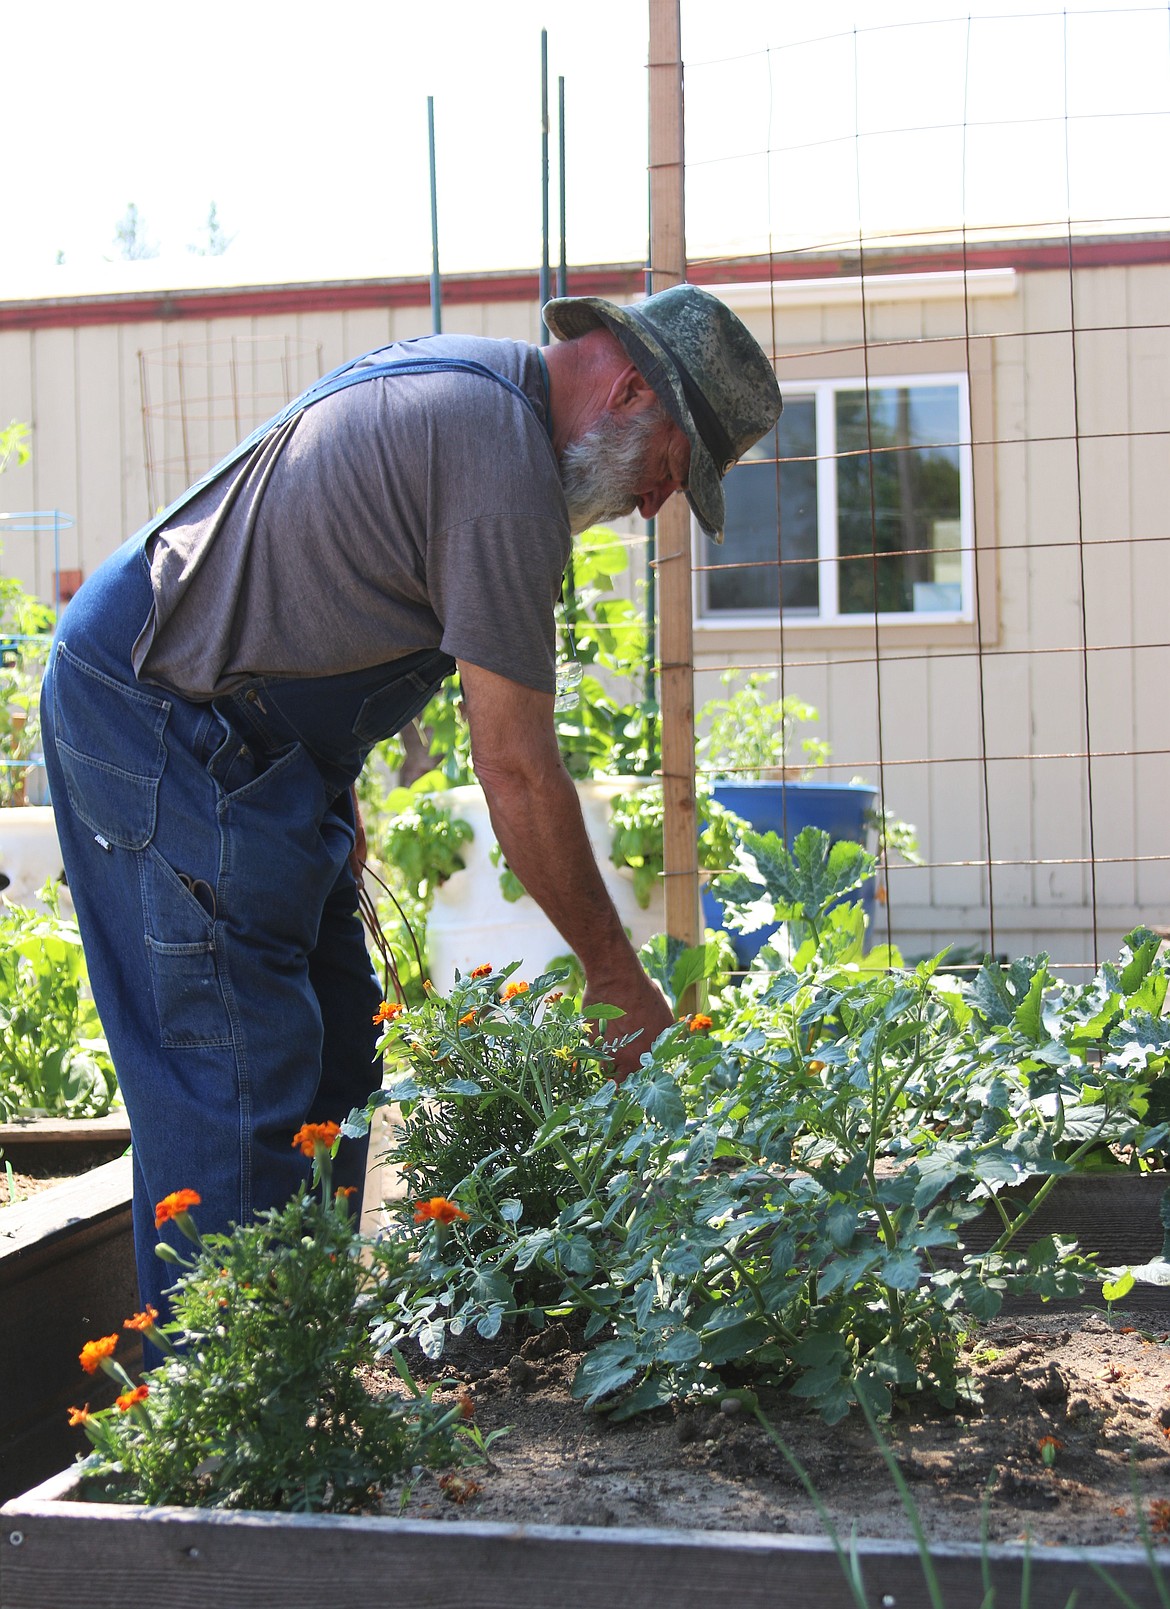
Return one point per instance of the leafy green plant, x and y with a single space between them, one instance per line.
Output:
13 445
260 1401
615 729
750 736
485 1069
418 835
637 826
53 1057
25 635
782 1195
414 842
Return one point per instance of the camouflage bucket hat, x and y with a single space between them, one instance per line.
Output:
707 368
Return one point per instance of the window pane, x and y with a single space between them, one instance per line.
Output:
750 537
898 495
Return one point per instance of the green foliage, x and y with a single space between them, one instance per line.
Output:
477 1075
800 887
130 237
782 1197
749 735
414 843
25 635
13 445
637 822
614 731
419 836
263 1405
53 1057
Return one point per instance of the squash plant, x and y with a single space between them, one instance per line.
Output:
780 1195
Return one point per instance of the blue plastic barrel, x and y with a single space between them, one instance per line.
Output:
787 808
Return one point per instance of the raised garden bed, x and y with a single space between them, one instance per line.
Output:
48 1150
49 1542
66 1274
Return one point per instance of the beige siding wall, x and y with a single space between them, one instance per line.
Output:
1004 740
92 427
1037 739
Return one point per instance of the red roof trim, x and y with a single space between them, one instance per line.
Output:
342 295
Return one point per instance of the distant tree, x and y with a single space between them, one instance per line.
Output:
214 242
130 236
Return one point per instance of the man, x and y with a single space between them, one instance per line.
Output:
217 684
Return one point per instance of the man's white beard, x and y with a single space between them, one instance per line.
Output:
603 470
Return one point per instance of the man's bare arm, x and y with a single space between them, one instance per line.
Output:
537 821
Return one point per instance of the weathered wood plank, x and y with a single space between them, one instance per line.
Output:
255 1561
66 1275
113 1128
26 1225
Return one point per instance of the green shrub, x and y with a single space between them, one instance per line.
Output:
53 1057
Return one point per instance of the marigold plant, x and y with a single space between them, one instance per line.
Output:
278 1308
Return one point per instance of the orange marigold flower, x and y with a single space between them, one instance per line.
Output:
699 1023
1049 1441
94 1352
466 1404
387 1011
78 1416
557 994
467 1018
143 1321
485 971
438 1209
511 990
128 1398
179 1201
310 1135
346 1190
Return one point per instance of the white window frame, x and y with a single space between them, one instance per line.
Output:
823 393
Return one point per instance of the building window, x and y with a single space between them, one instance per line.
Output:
859 502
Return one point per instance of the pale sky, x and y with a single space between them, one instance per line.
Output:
306 125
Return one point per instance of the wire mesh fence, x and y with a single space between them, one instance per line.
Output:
954 546
199 398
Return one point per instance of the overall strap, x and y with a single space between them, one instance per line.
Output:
352 373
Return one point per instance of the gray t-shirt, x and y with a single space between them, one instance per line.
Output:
407 512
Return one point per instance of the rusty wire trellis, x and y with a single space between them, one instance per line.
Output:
1022 825
200 397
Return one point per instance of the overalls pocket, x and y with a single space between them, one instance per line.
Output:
109 739
391 707
180 944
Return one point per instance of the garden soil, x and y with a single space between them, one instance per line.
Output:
31 1175
1097 1384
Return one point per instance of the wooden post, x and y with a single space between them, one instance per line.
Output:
675 635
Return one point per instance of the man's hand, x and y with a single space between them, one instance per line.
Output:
646 1014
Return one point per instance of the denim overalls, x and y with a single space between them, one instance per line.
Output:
206 848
